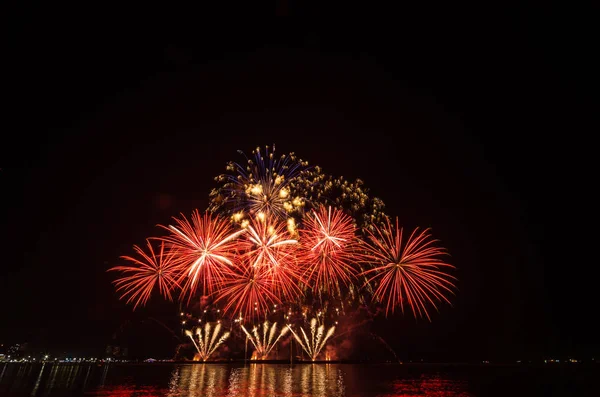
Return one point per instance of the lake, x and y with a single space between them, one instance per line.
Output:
257 380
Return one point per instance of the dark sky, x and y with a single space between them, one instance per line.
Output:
470 121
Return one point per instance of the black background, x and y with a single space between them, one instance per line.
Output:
474 121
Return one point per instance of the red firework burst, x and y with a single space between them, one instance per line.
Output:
329 247
205 248
248 291
408 272
152 270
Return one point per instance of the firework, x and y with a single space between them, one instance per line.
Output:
264 184
204 248
319 189
285 186
408 272
247 291
278 232
267 245
206 342
264 341
153 269
314 343
330 247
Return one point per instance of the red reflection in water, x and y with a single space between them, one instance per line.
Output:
430 386
130 391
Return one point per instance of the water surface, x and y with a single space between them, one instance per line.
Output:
258 380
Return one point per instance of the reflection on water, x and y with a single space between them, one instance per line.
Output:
198 379
210 380
258 380
430 386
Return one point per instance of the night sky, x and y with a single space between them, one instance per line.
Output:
469 121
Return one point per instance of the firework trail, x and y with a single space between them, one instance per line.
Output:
330 250
262 185
318 337
407 272
154 269
205 342
264 341
205 247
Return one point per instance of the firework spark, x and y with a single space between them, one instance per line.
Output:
318 337
330 246
154 269
408 272
264 341
205 247
205 342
